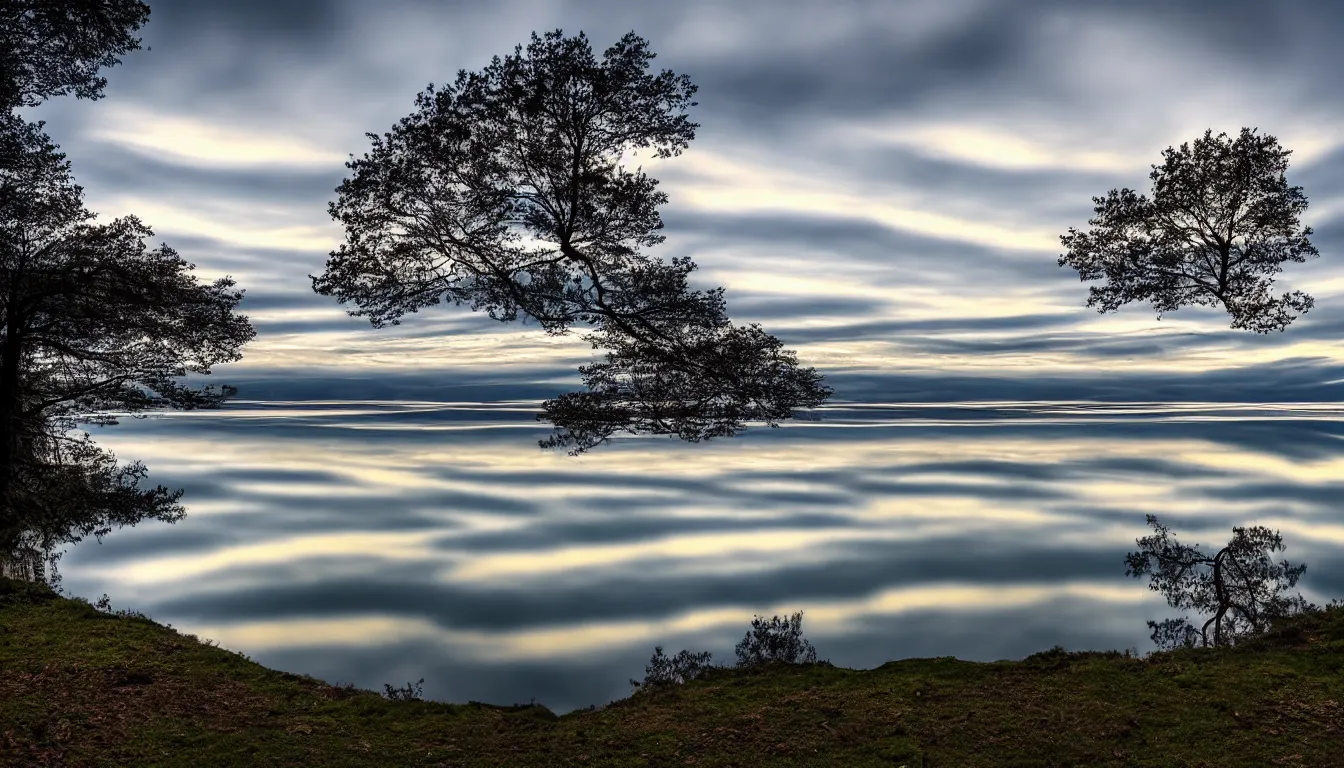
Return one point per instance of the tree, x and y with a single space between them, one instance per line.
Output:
508 192
776 640
55 47
1220 224
646 388
663 670
1240 588
92 324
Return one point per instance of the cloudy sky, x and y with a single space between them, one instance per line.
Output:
881 184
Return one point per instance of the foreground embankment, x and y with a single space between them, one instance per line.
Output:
79 686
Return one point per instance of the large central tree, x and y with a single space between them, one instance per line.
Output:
509 191
92 324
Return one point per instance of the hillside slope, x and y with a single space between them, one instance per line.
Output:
83 687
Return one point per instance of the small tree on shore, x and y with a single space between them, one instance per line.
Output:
675 670
1221 223
1239 588
776 640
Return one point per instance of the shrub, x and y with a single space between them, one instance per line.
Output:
408 693
104 605
676 670
778 640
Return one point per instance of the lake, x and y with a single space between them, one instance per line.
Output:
383 542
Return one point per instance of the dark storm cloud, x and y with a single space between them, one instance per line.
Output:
131 172
452 386
748 306
1326 496
293 22
860 240
293 264
1306 380
1000 54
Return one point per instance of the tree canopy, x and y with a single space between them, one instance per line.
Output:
56 47
1219 226
92 324
508 191
1239 588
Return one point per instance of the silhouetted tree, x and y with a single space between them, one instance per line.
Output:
775 640
663 670
1220 224
411 692
63 489
1240 588
645 388
55 47
507 191
92 324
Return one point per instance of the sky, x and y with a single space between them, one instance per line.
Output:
880 184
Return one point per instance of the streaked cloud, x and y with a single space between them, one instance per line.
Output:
918 160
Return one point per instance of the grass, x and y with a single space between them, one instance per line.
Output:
79 686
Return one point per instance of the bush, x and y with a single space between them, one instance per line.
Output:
676 670
408 693
20 592
104 605
778 640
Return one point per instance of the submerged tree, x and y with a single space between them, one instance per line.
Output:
55 47
92 324
1220 224
1240 588
508 192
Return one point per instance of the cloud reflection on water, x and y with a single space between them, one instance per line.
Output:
375 541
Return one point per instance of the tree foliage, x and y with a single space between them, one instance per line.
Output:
66 488
645 387
1239 588
1219 226
508 191
56 47
676 670
778 640
92 324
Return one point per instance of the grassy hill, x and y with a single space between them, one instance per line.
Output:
79 686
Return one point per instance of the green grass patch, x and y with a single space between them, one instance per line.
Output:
79 686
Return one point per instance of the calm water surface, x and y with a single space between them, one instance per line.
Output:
377 542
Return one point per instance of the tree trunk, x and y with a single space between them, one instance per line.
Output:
11 358
1220 593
